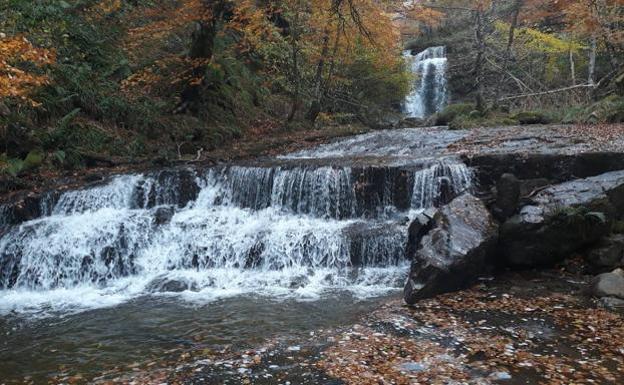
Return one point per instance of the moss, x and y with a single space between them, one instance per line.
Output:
451 112
532 117
33 160
607 110
474 120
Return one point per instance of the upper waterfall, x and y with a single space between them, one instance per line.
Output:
429 93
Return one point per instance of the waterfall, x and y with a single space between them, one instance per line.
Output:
429 93
299 230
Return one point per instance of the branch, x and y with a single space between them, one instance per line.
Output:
547 92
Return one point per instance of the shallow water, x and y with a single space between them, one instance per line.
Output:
147 328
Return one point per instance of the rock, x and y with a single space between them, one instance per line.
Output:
411 123
507 196
542 165
93 177
609 253
612 303
165 284
561 219
609 284
420 226
454 253
530 186
163 215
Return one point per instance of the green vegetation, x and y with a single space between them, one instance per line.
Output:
113 80
463 116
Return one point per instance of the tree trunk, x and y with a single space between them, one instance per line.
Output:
592 62
295 67
316 106
510 40
478 67
572 67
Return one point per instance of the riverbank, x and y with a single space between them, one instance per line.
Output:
265 141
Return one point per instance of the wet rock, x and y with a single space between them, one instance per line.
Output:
93 177
609 284
562 219
454 253
163 215
609 254
420 226
169 285
172 187
507 196
554 167
24 210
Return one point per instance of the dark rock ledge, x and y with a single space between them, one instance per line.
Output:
541 224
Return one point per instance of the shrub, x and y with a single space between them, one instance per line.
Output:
452 111
532 117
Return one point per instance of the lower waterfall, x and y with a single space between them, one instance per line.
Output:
298 232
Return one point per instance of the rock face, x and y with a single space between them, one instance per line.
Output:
507 196
609 284
454 253
563 218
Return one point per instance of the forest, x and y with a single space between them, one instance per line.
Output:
88 82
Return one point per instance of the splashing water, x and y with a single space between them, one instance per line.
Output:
298 232
429 94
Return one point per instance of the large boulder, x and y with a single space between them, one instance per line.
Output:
609 254
609 284
454 253
562 219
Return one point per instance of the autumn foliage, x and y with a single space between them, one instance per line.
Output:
16 54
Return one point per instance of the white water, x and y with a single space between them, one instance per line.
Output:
429 93
248 231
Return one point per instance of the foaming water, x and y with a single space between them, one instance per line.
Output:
297 232
429 94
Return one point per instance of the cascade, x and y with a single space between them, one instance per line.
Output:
429 93
300 230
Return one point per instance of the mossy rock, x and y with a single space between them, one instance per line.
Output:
606 110
447 115
463 122
532 117
33 160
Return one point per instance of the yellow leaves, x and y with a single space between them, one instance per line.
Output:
108 6
543 42
426 16
159 22
14 81
159 78
251 21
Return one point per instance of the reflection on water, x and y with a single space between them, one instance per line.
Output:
147 327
